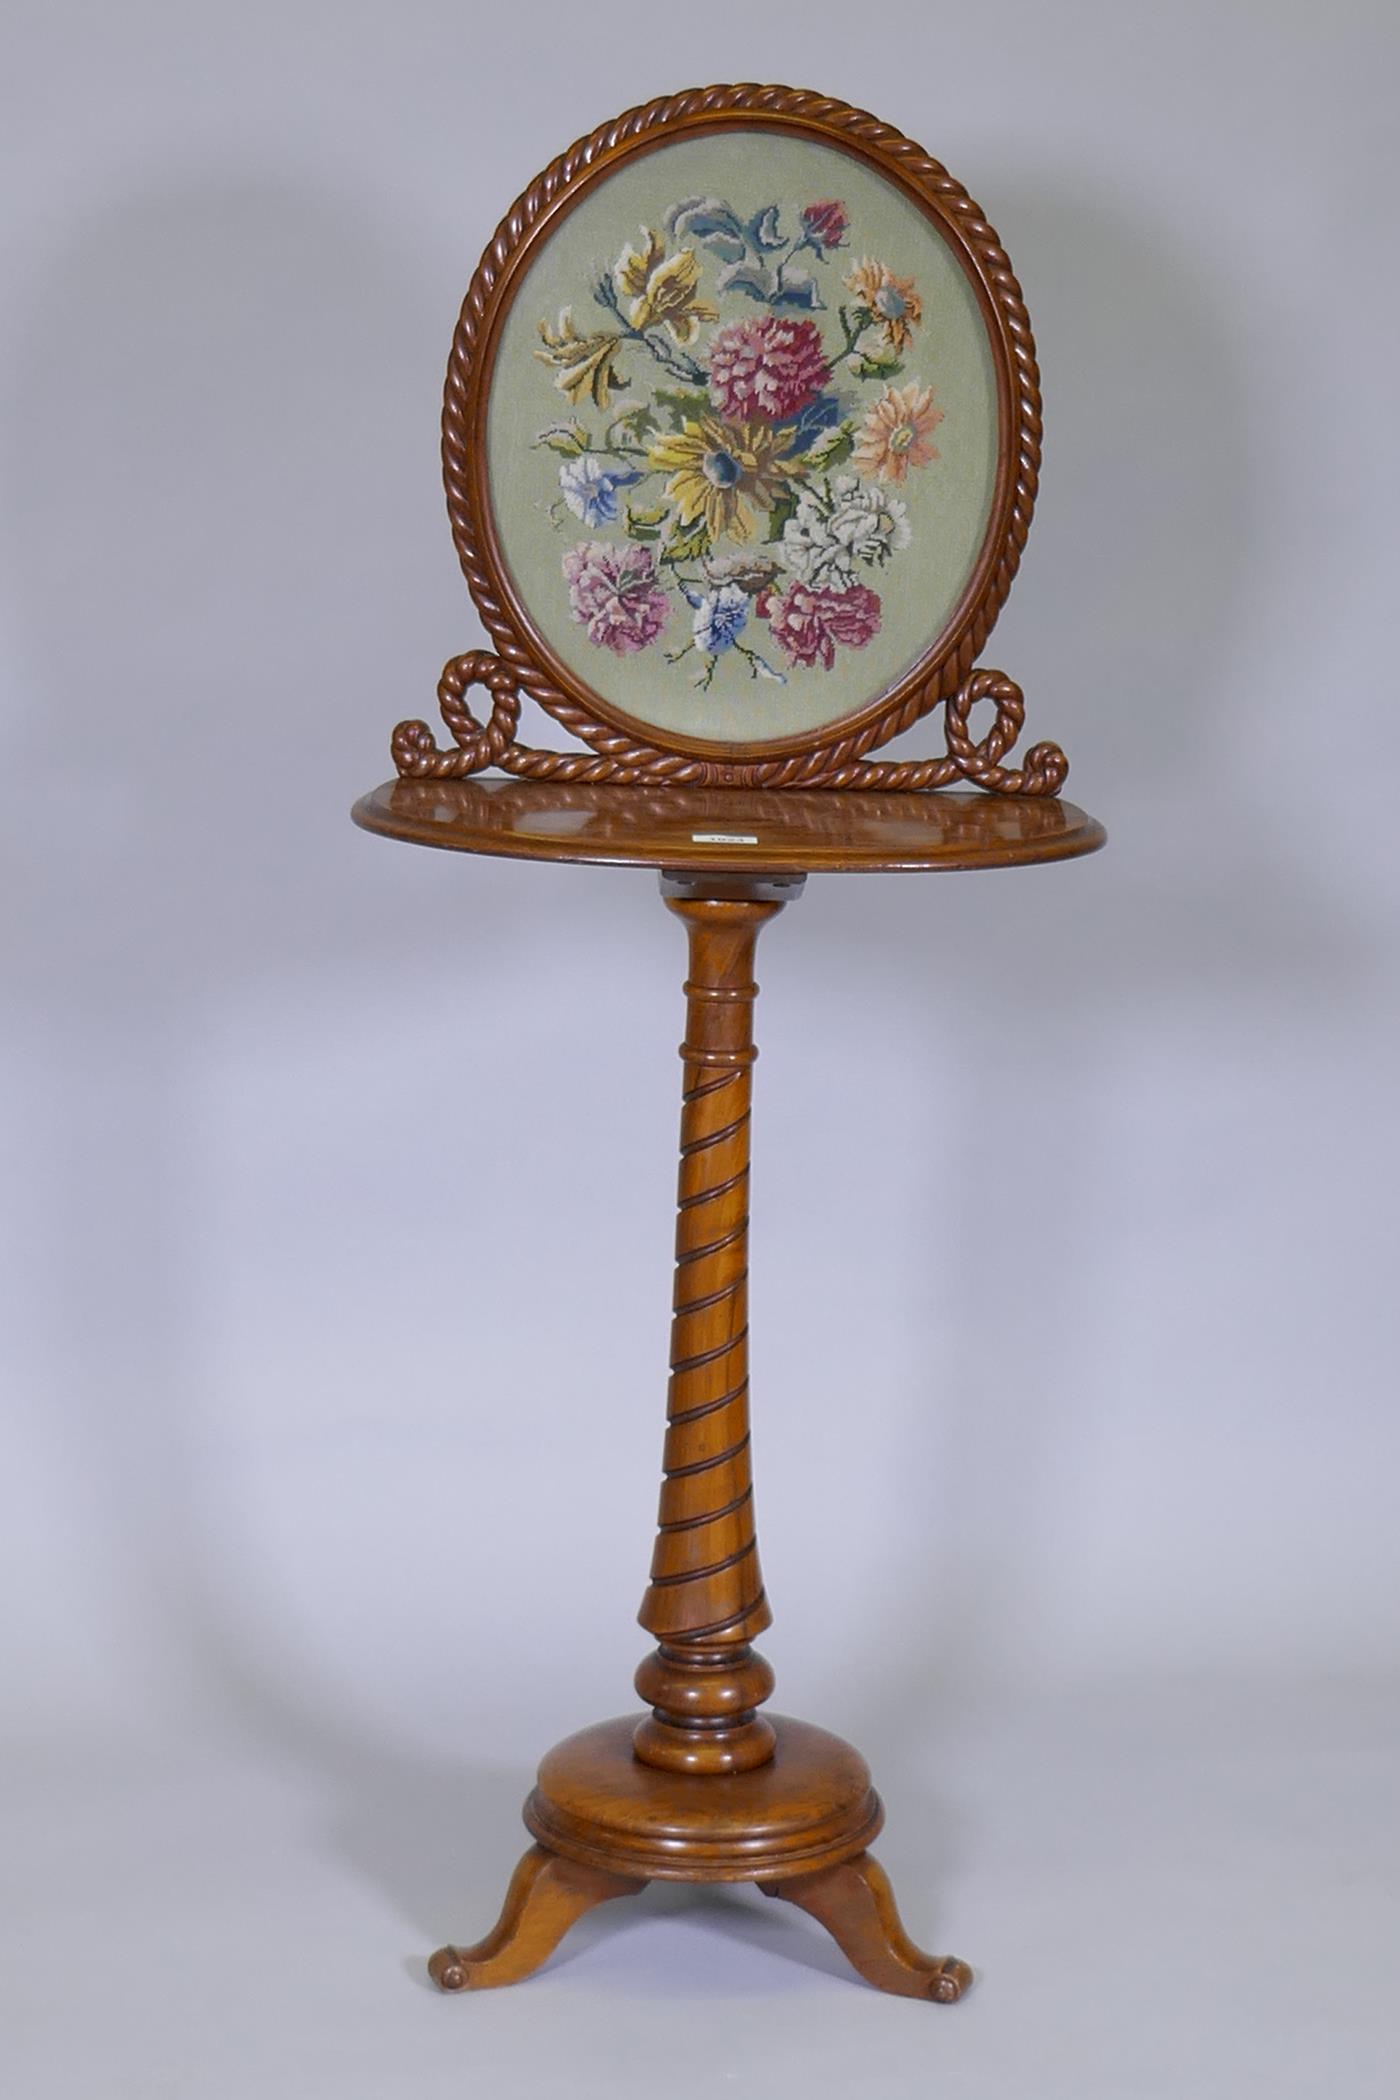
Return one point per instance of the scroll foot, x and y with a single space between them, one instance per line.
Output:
856 1904
546 1896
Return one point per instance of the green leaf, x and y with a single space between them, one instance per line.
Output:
568 438
831 448
645 524
784 508
682 406
636 422
686 542
865 366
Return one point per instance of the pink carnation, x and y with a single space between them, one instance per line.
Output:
769 368
615 593
808 624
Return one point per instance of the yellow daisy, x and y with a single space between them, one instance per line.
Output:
715 466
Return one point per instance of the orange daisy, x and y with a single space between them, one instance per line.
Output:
892 302
897 433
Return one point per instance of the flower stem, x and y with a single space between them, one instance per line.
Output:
759 666
852 334
675 361
803 240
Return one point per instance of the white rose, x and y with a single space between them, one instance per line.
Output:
871 524
813 552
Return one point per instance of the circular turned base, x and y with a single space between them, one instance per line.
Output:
811 1806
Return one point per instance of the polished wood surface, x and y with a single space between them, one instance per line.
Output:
705 1787
856 1904
810 1805
706 1598
736 830
548 1893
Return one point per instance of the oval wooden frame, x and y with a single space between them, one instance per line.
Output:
642 749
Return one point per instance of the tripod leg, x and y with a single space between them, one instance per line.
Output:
547 1894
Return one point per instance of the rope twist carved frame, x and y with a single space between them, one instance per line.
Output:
514 670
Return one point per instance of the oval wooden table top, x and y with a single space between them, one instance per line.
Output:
773 831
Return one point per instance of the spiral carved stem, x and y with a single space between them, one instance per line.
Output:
706 1600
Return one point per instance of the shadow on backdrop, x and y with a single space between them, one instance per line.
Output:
229 582
230 573
1029 992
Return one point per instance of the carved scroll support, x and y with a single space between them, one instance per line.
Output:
476 745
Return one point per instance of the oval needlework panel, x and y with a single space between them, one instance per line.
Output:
742 436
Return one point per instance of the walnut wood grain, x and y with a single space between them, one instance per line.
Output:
706 1788
548 1893
706 1598
477 744
856 1904
809 1806
735 831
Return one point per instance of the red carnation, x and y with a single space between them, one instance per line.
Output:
808 624
768 368
826 222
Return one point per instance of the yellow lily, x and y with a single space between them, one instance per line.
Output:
662 289
585 364
633 269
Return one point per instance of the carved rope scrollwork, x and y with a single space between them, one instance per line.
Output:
1045 766
476 745
415 749
1042 773
618 751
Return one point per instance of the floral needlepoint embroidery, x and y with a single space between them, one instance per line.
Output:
614 592
807 624
897 433
586 364
590 488
721 615
718 470
720 619
770 367
839 525
662 289
826 222
736 439
890 304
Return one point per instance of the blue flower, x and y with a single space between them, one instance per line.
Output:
720 618
590 488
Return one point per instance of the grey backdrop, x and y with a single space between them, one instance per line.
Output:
338 1176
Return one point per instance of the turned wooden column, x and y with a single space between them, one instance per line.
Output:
705 1602
709 1785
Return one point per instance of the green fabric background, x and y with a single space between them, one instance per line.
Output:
949 500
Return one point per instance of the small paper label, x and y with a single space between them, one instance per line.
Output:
722 838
